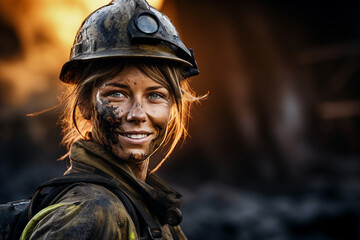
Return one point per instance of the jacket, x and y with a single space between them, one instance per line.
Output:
90 211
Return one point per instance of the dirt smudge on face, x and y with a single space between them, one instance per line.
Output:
108 122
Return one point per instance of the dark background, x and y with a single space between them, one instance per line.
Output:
273 152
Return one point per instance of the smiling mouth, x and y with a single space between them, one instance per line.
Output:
135 136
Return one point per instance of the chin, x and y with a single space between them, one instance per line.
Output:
137 157
132 157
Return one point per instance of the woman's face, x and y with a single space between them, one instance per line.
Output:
130 116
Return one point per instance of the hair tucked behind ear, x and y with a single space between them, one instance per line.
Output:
75 126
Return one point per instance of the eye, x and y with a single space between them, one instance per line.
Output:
156 96
116 95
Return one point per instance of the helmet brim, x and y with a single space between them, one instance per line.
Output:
76 64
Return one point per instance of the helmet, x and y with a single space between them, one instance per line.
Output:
127 29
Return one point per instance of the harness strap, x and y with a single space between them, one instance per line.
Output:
64 183
153 229
20 225
173 233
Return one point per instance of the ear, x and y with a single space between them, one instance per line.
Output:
85 109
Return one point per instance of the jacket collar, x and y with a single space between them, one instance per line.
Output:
155 194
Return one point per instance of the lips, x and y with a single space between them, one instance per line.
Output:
135 138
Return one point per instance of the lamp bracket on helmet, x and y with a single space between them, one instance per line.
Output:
146 27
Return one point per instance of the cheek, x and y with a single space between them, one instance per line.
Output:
160 119
160 115
107 119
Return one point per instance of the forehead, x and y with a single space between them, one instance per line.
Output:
131 75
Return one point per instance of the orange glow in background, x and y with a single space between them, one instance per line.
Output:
280 129
46 30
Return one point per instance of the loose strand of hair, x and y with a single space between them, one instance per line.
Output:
61 103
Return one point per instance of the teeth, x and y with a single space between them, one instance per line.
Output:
136 136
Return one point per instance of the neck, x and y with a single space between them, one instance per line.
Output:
139 169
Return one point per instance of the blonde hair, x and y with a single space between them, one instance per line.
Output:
75 126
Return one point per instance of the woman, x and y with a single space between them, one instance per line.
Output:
128 96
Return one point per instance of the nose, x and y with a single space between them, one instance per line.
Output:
136 113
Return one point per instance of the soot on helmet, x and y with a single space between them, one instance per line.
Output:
127 29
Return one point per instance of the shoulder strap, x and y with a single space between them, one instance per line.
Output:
145 227
20 225
173 233
38 202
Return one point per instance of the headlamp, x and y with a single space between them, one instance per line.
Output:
146 27
147 23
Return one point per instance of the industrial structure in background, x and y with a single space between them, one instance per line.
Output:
274 150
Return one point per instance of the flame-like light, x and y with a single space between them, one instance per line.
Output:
46 30
156 3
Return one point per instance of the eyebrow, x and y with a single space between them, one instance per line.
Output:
154 88
121 85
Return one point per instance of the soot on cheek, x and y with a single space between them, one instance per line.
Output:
108 123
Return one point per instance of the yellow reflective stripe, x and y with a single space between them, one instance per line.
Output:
131 235
28 230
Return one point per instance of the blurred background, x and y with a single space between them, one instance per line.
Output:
273 152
